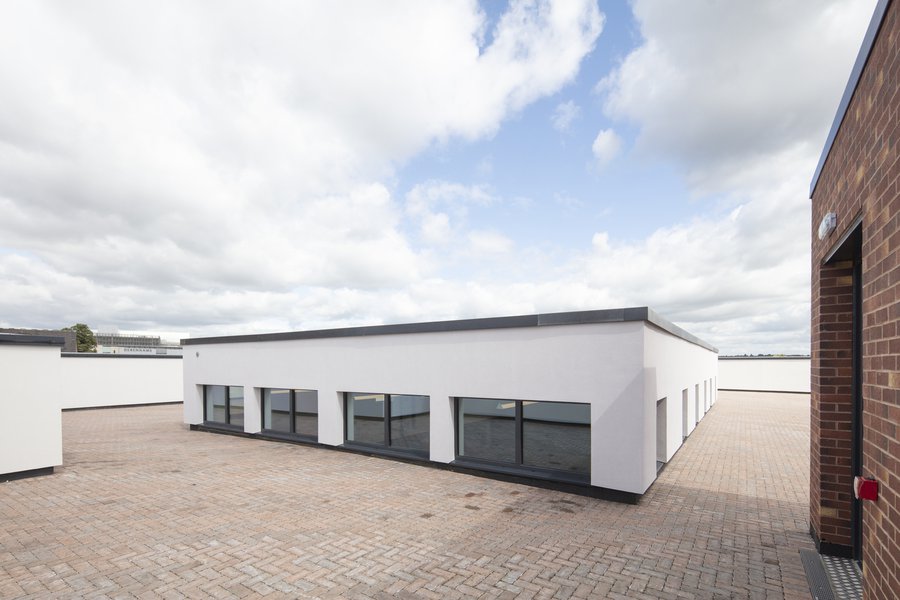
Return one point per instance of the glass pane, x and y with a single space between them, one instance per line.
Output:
365 418
276 410
557 435
215 403
410 416
306 419
236 403
487 429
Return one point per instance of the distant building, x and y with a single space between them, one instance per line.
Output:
855 421
126 343
71 342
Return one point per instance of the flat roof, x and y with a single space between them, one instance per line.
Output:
32 340
586 317
855 74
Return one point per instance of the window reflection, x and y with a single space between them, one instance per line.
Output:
557 435
216 403
487 429
291 411
554 436
365 418
410 422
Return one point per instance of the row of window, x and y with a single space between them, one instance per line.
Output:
551 436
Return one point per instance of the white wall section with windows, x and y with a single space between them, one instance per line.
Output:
524 390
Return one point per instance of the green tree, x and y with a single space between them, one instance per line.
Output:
84 337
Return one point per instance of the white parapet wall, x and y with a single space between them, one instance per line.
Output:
89 380
619 363
765 374
30 420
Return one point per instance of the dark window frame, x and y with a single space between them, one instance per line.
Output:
293 414
386 447
227 423
518 467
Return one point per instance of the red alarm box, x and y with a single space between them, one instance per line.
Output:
865 489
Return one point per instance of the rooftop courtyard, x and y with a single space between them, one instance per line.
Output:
143 507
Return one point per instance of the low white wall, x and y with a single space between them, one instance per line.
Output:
765 374
601 364
30 419
92 380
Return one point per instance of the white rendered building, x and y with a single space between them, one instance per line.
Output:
593 401
30 405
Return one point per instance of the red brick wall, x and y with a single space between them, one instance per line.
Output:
861 176
830 475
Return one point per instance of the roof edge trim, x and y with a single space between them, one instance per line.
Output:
586 317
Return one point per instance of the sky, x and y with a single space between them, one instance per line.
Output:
199 168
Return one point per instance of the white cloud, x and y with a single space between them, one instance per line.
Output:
736 96
441 208
207 170
483 244
564 115
606 146
725 88
153 160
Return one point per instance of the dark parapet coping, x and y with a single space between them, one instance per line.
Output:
32 340
111 355
585 317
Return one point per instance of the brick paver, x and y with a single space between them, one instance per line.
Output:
145 508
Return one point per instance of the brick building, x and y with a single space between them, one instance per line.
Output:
855 422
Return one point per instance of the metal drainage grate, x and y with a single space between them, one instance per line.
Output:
831 578
844 577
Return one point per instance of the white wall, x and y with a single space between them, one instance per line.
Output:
765 374
673 365
118 379
598 364
30 419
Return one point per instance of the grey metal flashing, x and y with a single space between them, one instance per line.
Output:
586 317
109 355
855 74
32 340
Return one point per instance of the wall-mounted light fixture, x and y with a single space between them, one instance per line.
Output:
828 224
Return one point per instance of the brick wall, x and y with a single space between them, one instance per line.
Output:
830 475
861 177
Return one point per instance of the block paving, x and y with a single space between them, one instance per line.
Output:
145 508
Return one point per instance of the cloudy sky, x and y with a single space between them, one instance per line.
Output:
227 167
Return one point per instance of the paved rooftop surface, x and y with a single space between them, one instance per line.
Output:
145 508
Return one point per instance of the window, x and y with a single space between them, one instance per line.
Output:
224 404
547 436
396 421
291 411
